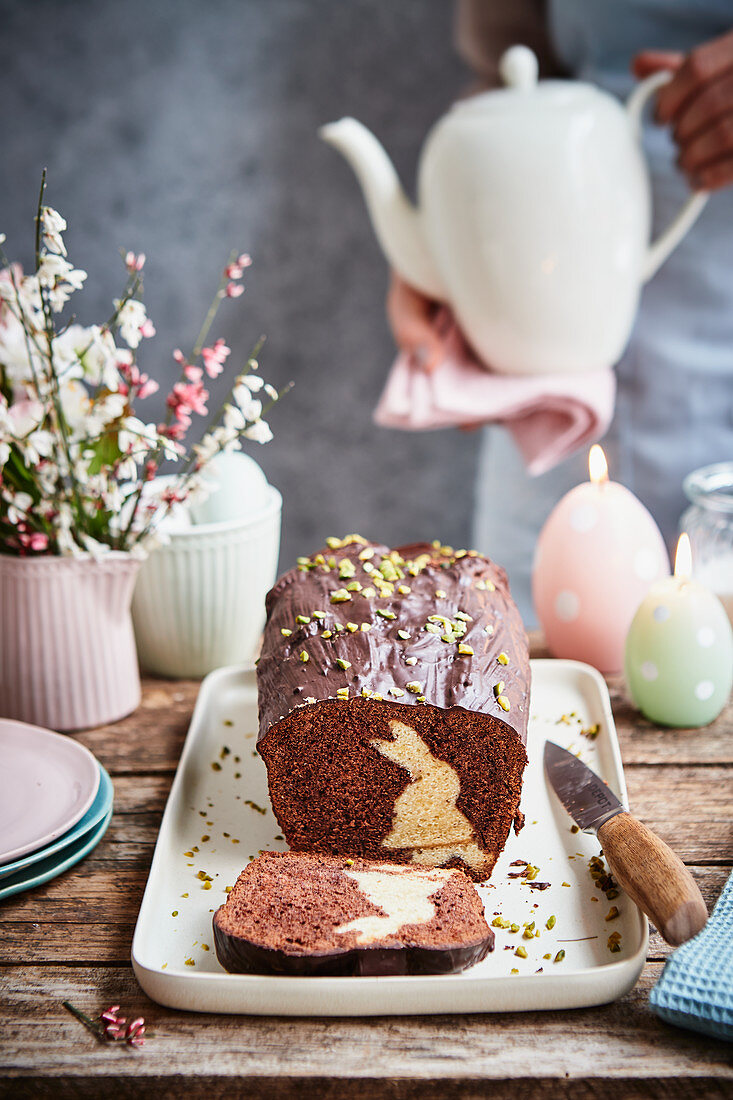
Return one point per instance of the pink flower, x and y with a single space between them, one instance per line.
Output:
135 1033
134 263
179 356
245 260
194 374
147 386
141 382
233 271
184 399
214 358
114 1024
33 540
233 290
147 328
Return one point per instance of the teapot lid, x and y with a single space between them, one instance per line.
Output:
519 68
519 71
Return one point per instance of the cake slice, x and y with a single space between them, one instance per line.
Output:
393 703
298 914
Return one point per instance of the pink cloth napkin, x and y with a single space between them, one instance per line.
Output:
549 416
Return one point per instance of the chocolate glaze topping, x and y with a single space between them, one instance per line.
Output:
421 624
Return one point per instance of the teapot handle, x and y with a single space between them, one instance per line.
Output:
660 249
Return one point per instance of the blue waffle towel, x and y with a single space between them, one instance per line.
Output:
696 986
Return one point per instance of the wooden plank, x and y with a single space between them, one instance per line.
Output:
89 915
689 806
624 1041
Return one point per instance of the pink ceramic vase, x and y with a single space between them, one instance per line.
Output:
67 649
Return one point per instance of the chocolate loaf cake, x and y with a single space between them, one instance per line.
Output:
393 705
299 914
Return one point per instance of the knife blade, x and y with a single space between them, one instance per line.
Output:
585 796
647 869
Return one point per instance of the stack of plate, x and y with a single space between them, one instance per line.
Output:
55 805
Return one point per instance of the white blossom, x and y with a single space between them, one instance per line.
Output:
234 418
130 318
259 432
52 226
37 446
251 408
253 382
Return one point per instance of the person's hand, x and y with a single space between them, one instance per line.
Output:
698 103
410 315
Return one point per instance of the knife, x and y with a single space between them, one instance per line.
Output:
647 869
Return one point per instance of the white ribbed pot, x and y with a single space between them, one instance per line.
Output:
199 600
67 649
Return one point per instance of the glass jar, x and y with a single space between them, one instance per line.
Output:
709 523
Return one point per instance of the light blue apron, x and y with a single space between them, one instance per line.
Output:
674 410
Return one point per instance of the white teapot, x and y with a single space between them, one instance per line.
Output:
533 218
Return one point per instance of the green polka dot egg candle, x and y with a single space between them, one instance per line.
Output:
679 650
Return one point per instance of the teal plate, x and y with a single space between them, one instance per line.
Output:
49 868
98 809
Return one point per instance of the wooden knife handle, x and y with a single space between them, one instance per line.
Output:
653 877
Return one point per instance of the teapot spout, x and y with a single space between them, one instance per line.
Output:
395 220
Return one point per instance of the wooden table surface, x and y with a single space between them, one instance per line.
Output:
70 940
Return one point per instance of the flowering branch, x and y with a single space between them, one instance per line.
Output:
75 459
111 1026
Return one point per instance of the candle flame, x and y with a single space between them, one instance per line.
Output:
597 465
683 558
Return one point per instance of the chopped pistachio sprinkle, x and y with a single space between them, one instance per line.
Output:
503 659
327 634
404 634
465 650
302 619
343 664
421 699
310 699
369 593
521 952
551 921
340 596
351 627
410 660
333 543
503 702
342 693
386 614
440 594
318 614
304 657
415 687
560 955
462 615
190 962
353 586
404 589
397 692
499 687
613 912
366 693
285 632
366 627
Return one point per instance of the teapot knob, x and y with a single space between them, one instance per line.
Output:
519 68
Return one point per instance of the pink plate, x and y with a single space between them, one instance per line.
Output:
47 782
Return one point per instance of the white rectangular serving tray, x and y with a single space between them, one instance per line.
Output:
215 811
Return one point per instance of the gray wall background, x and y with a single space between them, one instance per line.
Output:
184 128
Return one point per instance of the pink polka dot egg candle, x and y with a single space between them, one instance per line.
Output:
679 652
596 558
